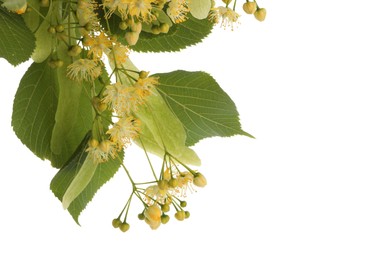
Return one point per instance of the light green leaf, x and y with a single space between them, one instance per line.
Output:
68 104
200 8
32 19
44 40
68 173
17 42
200 104
80 181
161 131
179 36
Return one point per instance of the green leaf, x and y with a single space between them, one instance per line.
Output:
68 105
35 109
179 36
200 104
80 181
200 8
32 19
44 40
17 42
63 180
161 131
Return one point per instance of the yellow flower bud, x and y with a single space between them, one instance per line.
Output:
165 219
124 227
260 14
164 28
200 180
132 38
93 143
143 74
74 50
249 7
180 215
153 216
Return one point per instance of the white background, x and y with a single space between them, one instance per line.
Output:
312 84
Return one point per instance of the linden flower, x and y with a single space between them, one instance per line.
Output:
154 194
124 130
86 13
177 10
153 216
140 9
84 69
184 183
118 54
145 86
122 99
101 152
228 16
97 45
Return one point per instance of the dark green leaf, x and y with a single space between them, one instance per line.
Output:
17 42
34 113
200 104
179 36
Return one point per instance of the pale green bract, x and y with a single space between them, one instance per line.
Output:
80 181
44 40
163 132
200 8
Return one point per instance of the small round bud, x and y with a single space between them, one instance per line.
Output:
143 74
162 184
45 3
260 14
183 204
166 175
164 219
59 63
51 30
124 227
52 64
141 216
59 28
74 50
180 215
227 1
93 143
173 183
165 208
116 222
164 27
101 107
200 180
132 38
88 27
123 25
156 29
249 7
105 146
187 214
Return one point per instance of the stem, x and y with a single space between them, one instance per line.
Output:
147 156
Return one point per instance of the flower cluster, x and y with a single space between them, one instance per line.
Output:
228 16
85 36
165 193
